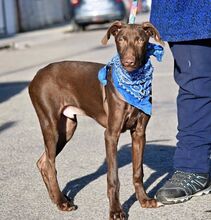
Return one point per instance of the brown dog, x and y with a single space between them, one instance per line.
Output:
60 92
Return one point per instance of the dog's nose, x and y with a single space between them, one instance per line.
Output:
128 62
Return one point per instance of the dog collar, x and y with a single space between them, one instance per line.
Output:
134 86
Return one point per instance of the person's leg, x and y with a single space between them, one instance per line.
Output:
192 73
193 76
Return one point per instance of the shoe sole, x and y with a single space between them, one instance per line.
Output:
169 201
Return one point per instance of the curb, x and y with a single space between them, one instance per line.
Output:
5 46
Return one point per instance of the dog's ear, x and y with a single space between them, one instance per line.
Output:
112 30
151 31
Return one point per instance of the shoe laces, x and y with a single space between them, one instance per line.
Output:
190 181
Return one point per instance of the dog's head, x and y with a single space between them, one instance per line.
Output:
131 42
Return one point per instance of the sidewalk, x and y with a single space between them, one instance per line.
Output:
31 38
46 35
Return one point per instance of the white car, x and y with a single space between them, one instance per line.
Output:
86 12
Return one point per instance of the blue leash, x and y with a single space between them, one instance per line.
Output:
133 12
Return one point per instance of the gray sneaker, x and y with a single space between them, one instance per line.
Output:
183 186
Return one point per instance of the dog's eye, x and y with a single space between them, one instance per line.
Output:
120 39
140 41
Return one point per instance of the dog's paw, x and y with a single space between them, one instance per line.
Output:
65 204
118 215
149 203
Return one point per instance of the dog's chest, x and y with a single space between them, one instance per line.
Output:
132 116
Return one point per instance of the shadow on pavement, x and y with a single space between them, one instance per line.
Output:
7 125
9 89
157 157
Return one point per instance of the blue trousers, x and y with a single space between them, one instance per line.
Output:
192 73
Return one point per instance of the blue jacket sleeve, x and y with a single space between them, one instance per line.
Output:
182 20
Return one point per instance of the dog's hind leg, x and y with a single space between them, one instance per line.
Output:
57 131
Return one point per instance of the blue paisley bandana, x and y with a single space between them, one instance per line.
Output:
134 86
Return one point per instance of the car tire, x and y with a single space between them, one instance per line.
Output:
83 27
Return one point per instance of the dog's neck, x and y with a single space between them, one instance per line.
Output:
134 86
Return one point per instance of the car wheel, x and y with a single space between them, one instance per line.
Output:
83 27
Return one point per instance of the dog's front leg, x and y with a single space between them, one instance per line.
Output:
113 185
138 143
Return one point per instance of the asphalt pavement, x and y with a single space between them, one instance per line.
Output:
81 165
